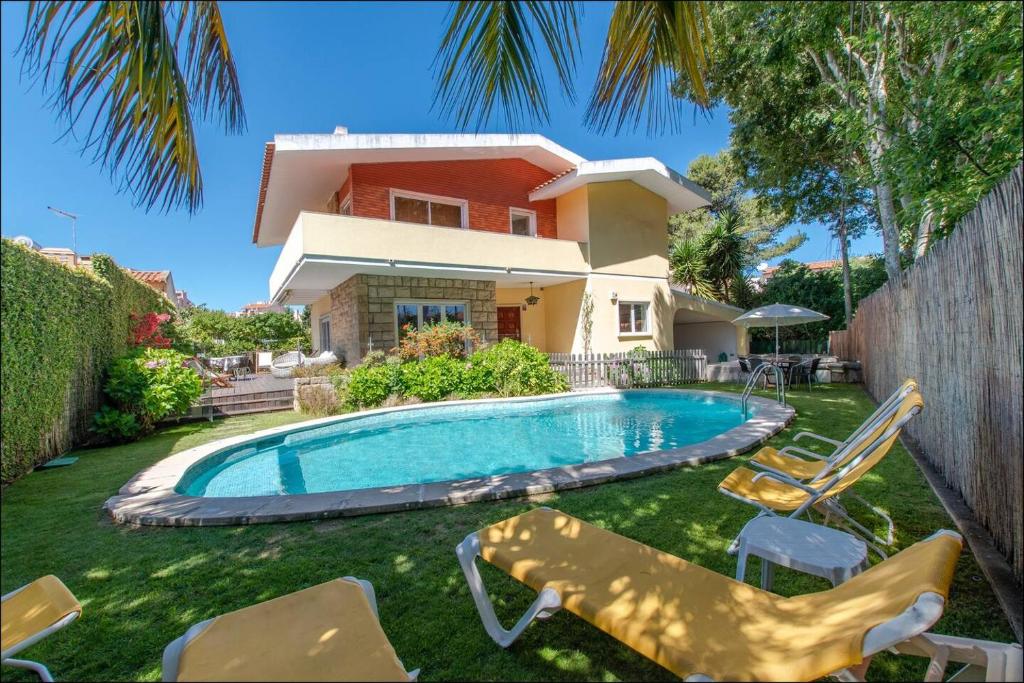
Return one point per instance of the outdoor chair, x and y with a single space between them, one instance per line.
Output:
701 625
775 493
753 363
805 371
217 379
788 463
329 632
30 614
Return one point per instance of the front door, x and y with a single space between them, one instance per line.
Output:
509 323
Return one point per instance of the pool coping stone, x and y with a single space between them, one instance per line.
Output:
149 498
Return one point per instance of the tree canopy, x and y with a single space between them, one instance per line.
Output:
201 330
915 106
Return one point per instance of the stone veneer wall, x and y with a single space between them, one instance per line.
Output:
362 308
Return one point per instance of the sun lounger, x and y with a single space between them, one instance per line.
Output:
775 493
214 378
787 462
701 625
30 614
329 632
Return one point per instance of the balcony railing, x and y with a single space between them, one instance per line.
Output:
367 243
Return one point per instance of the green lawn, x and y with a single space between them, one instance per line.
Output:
142 587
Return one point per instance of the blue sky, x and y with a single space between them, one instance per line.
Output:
304 68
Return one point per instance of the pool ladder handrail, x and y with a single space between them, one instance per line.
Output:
780 384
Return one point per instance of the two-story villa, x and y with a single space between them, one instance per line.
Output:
513 234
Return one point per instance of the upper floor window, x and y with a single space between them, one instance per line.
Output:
412 207
346 206
522 222
633 318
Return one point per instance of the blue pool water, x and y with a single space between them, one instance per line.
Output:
459 442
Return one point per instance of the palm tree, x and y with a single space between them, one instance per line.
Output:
688 269
488 56
141 71
723 250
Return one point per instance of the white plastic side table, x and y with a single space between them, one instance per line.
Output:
810 548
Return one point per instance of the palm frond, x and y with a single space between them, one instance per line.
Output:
121 69
649 46
488 57
689 269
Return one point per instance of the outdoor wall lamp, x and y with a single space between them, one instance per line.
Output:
533 299
613 296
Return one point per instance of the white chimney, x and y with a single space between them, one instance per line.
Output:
341 130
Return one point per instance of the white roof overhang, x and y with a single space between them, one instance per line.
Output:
681 193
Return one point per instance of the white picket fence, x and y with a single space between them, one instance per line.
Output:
629 369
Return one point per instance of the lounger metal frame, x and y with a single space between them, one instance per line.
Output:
39 668
883 412
904 634
880 413
830 505
173 651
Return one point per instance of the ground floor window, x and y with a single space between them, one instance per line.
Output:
325 333
415 314
633 318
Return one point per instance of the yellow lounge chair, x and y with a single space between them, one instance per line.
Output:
788 461
701 625
775 493
31 613
329 632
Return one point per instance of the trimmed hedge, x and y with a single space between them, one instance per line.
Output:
60 328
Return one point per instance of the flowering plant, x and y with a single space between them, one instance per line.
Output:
147 330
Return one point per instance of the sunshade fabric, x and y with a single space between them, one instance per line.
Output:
692 620
325 633
778 315
38 606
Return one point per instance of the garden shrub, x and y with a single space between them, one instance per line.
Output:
152 384
434 378
438 339
370 385
60 328
116 425
511 368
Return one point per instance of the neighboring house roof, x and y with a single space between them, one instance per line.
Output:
160 280
157 279
680 193
307 168
827 264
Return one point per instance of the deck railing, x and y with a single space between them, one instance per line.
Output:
630 368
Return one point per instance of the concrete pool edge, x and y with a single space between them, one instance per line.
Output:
149 497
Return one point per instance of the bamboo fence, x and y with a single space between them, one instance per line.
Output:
954 322
629 369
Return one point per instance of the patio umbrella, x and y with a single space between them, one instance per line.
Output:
778 315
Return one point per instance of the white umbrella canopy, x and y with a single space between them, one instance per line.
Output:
778 315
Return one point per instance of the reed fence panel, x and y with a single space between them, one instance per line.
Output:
954 322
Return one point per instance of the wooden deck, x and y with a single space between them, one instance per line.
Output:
254 394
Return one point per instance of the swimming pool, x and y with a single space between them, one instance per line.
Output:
443 443
411 457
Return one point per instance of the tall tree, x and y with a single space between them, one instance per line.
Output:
490 57
759 222
924 98
138 73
